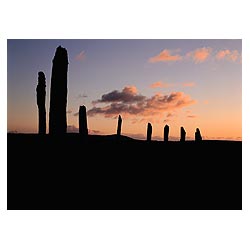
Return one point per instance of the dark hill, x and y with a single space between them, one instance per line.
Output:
102 172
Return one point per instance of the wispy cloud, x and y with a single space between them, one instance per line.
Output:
190 115
226 54
165 56
136 105
81 56
199 55
188 84
169 116
161 84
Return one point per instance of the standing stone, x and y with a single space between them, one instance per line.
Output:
198 136
183 134
149 132
83 127
166 132
58 93
40 100
119 126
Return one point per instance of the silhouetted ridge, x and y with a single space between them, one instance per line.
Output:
40 98
58 93
151 175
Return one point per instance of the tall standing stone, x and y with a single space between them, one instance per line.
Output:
198 136
149 132
183 134
58 92
119 126
40 100
166 132
83 127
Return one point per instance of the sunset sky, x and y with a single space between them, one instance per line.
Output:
184 82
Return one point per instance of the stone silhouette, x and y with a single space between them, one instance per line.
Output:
83 127
40 100
198 136
183 134
149 132
166 132
119 126
58 92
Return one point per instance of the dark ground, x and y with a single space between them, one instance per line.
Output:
103 173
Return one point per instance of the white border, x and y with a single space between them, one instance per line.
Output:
125 229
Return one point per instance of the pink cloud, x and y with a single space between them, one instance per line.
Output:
234 55
222 54
130 90
81 56
200 55
134 105
161 84
230 55
188 84
165 56
156 85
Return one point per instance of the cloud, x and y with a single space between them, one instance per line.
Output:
76 114
188 84
161 84
222 54
81 56
165 56
226 54
199 55
169 116
114 109
127 95
69 112
135 105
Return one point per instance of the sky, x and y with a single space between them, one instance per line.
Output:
190 83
